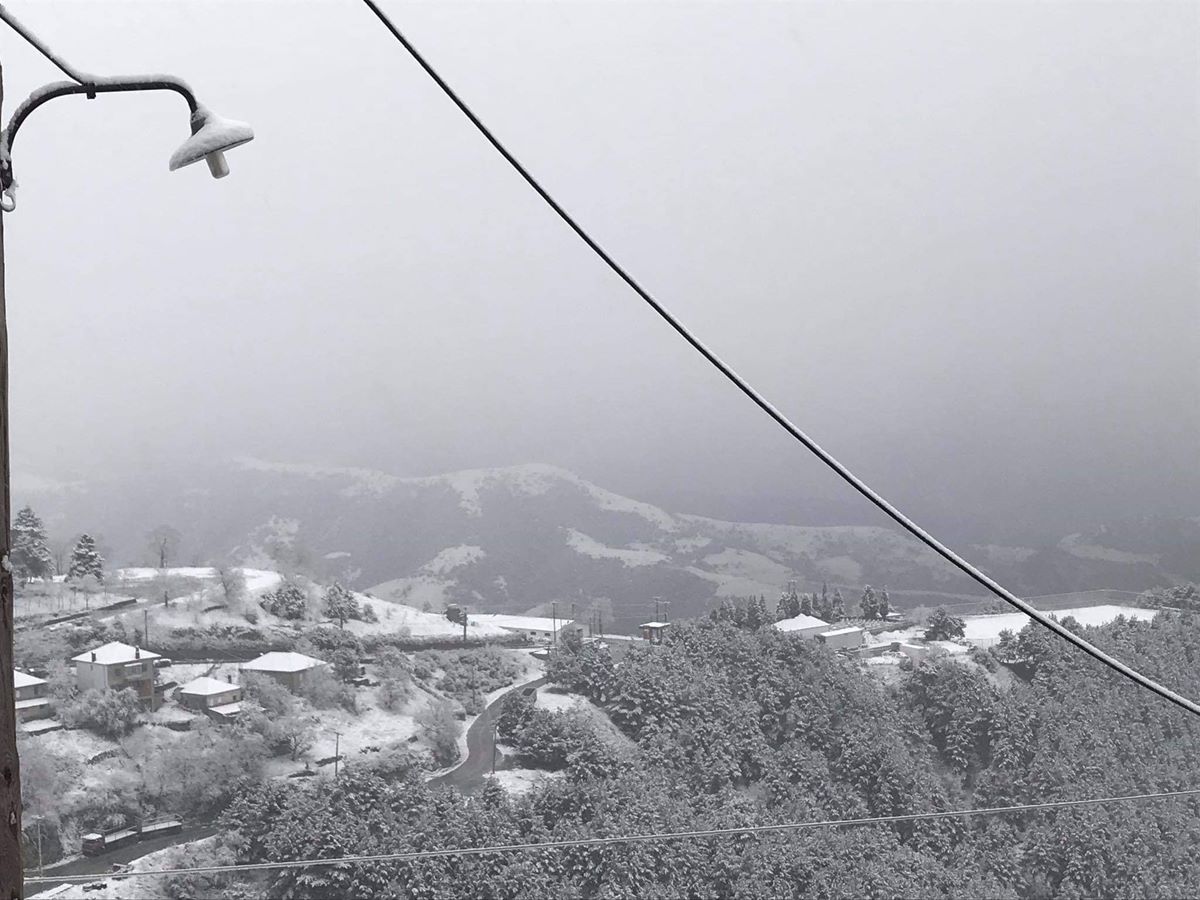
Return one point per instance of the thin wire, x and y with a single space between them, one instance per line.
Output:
416 855
16 25
744 386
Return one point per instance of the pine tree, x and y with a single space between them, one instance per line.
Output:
884 603
30 556
86 560
869 605
838 602
789 603
806 605
836 609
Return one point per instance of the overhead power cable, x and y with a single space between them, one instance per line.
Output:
416 855
766 406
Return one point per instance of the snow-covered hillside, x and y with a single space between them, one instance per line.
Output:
515 539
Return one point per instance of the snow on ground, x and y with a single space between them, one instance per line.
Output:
453 558
556 702
143 573
588 546
372 726
76 744
518 781
984 631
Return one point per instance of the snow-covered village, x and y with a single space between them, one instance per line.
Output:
502 450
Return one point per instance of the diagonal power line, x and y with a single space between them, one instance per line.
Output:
415 855
766 406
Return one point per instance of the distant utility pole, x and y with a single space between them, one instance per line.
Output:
554 622
146 628
337 752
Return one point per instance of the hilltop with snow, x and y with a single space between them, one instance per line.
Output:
514 539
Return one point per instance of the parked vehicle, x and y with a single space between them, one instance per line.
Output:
95 844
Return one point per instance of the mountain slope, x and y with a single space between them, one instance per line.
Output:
515 539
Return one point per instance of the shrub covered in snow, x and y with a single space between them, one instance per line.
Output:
289 601
108 713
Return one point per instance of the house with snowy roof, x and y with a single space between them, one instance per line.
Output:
217 698
32 700
292 670
803 626
849 638
116 666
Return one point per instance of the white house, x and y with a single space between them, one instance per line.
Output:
31 699
848 638
117 666
804 626
210 695
291 670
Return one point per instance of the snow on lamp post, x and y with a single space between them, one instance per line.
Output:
211 135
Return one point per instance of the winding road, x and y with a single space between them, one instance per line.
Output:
467 776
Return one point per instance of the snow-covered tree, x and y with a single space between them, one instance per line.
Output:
86 560
341 604
868 604
883 603
31 556
789 603
288 601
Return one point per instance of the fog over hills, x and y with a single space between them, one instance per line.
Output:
514 539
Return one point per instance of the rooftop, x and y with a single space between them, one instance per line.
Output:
276 661
207 687
800 623
113 653
654 625
23 680
852 629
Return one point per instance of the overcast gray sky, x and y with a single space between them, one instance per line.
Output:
956 241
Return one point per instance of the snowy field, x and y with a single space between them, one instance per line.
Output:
984 631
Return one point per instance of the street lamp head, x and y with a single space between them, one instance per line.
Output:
211 137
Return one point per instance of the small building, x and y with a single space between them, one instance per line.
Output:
916 652
117 666
292 670
849 638
31 693
803 626
205 694
532 628
654 631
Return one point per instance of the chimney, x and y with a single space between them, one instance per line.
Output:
93 656
137 652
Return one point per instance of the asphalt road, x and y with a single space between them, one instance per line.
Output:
102 865
468 775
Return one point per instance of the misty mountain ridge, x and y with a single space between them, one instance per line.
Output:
513 539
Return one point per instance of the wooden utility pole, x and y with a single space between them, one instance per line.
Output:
12 885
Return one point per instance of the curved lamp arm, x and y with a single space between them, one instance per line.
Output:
211 135
90 89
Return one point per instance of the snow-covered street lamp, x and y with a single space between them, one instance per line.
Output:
211 135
